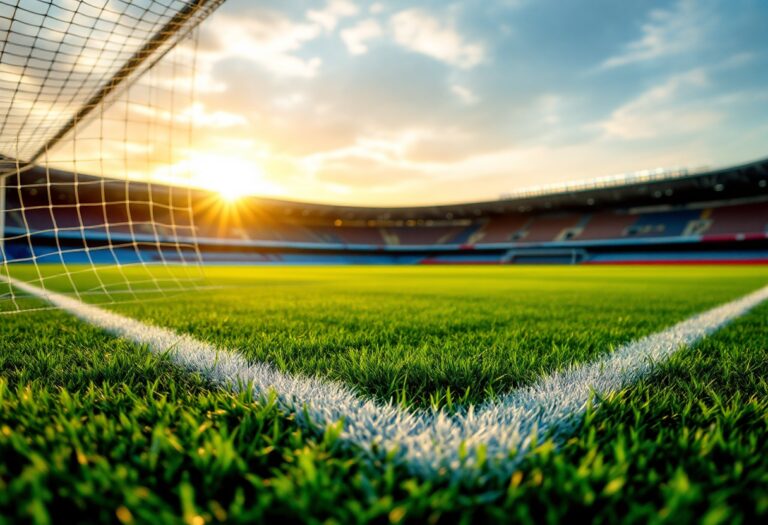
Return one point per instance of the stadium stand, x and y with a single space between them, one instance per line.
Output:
712 217
606 225
361 235
502 229
738 219
465 235
662 224
421 235
550 228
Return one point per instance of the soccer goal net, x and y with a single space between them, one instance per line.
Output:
96 110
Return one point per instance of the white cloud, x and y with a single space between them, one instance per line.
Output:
356 37
376 8
417 30
198 114
328 17
738 60
464 94
550 108
288 102
667 32
11 74
268 41
663 111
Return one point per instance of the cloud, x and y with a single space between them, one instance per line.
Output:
418 31
376 8
663 111
550 108
438 148
356 37
198 115
289 101
464 94
328 17
265 38
346 172
432 101
667 32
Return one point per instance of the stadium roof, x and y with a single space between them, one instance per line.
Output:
654 189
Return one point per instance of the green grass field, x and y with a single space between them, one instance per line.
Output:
96 427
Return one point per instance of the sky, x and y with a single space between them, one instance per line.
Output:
422 102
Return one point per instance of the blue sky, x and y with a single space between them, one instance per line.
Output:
398 103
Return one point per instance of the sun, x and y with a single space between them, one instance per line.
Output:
229 193
230 176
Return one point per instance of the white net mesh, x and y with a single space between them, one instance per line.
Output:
96 107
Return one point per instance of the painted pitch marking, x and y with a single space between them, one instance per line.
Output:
429 443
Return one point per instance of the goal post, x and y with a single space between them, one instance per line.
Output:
96 112
2 217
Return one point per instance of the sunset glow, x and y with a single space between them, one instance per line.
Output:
413 103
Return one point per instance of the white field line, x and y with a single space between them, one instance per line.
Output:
429 443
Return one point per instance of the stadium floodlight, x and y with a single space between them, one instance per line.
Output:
96 101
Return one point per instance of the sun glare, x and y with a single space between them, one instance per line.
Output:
229 193
230 176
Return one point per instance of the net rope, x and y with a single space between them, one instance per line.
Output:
97 103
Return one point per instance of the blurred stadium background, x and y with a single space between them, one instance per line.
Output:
717 216
97 163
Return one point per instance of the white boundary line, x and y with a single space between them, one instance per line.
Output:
429 443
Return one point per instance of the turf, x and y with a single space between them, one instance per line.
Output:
439 336
93 426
